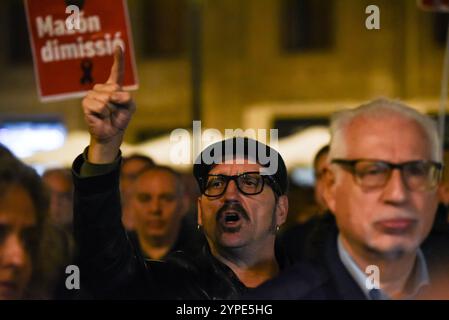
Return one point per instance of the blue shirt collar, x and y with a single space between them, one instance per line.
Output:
420 275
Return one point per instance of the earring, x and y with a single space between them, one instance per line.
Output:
198 226
277 228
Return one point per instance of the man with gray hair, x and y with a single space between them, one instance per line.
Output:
385 169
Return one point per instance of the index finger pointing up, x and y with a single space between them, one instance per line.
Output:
118 68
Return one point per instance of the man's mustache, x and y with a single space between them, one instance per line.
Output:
232 206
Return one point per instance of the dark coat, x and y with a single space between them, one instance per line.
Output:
322 275
189 240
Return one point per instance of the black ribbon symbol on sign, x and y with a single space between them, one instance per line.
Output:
87 66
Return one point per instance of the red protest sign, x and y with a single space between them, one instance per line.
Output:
434 5
74 50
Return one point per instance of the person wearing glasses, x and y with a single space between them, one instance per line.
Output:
242 204
385 165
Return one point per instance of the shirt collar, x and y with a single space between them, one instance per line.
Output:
420 275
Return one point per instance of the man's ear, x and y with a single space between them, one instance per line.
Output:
329 192
281 210
199 215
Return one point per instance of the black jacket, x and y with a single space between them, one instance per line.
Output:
323 277
303 241
189 240
110 267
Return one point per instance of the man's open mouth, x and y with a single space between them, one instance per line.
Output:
231 217
230 220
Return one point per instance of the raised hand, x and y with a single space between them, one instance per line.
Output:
107 112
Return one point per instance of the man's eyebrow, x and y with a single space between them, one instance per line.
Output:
30 227
168 193
5 226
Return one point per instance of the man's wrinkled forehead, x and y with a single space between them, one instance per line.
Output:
239 153
385 137
236 166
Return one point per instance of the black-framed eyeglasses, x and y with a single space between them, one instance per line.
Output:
417 175
248 183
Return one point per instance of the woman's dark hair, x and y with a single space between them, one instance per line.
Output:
13 172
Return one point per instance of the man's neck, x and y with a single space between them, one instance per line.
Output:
252 266
156 248
394 271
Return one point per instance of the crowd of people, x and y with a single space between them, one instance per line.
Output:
135 232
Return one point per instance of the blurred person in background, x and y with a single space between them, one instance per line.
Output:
441 224
160 204
321 168
436 246
60 186
59 239
302 241
131 167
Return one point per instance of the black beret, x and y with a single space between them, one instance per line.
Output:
246 148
